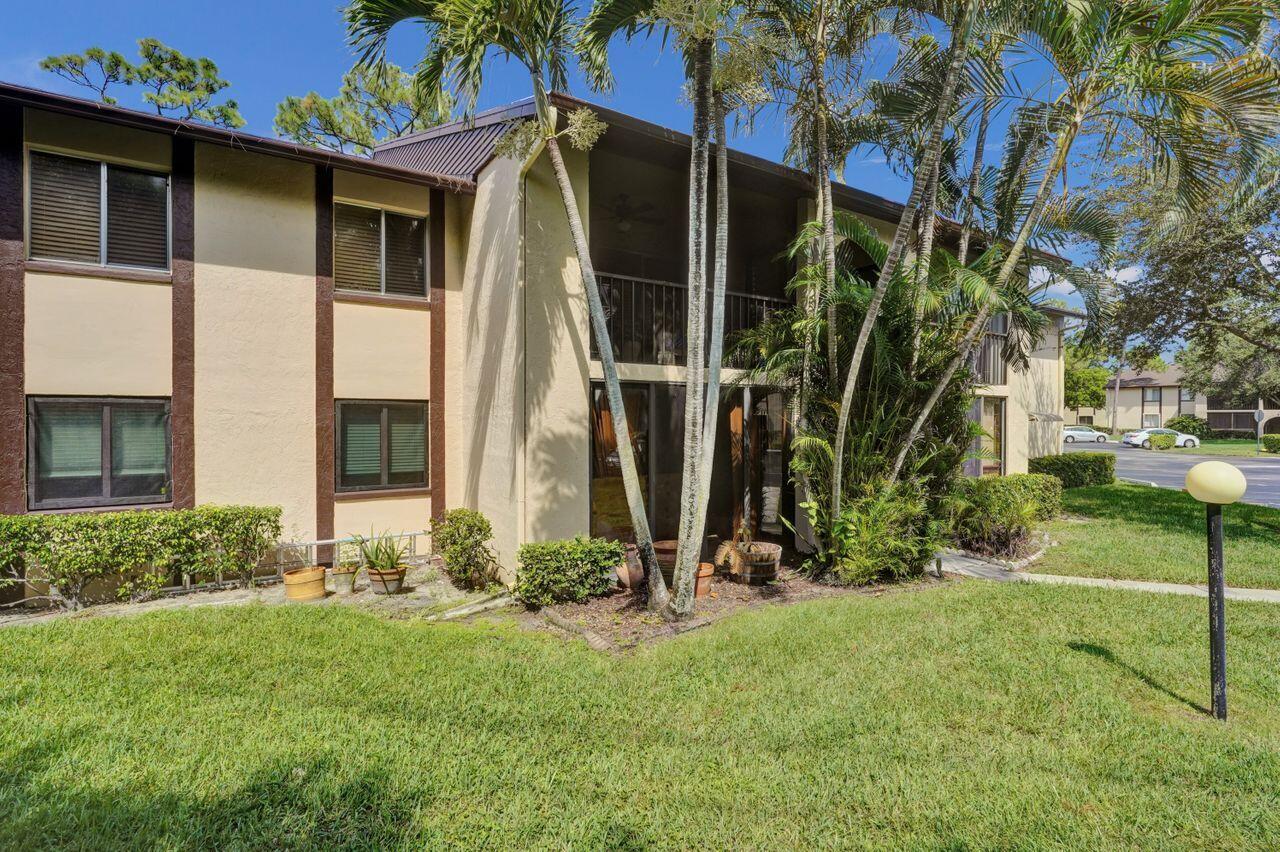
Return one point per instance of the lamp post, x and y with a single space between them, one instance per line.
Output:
1216 484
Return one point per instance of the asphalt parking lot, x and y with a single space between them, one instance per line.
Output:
1169 470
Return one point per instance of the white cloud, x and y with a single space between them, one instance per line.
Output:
1125 275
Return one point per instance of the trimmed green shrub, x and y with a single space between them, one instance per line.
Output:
1233 434
995 515
1271 443
1077 470
572 569
461 539
1161 442
138 552
1189 424
1040 489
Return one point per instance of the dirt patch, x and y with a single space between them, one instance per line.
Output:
621 620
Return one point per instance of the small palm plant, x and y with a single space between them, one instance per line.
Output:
384 560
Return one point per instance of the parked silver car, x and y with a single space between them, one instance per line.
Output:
1073 434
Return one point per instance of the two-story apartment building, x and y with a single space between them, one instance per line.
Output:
1148 398
192 315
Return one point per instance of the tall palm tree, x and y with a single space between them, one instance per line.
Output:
1177 75
957 55
699 27
540 35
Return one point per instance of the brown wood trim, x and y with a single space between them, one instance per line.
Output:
435 224
411 302
379 494
324 356
118 273
182 426
13 406
99 510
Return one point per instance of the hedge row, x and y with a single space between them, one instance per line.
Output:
1077 470
138 551
572 569
1161 442
1271 443
995 514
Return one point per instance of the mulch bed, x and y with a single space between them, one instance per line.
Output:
621 620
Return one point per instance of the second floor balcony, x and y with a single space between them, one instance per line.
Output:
647 318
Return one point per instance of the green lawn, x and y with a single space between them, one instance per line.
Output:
1224 447
968 715
1135 532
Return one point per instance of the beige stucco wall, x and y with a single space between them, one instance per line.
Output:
382 514
1028 394
1130 410
97 336
380 192
255 422
484 361
380 352
557 363
98 140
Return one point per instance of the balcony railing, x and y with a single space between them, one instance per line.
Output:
989 365
646 318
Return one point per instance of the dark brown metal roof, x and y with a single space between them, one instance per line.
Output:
39 99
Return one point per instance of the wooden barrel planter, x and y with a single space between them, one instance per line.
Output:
304 584
756 563
385 582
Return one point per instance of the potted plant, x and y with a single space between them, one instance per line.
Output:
383 558
752 562
345 568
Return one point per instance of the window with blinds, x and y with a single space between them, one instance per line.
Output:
97 452
381 445
87 211
375 251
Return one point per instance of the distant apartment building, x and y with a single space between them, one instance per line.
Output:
1149 398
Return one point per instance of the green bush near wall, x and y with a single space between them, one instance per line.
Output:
138 551
1271 443
572 569
1161 442
1077 470
1189 424
995 515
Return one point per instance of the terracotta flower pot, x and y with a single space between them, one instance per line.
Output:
706 570
666 552
344 579
386 582
304 584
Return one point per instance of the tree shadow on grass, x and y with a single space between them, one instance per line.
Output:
1172 511
1106 655
289 804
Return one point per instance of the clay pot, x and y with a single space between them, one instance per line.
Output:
755 564
304 584
630 571
344 578
386 582
665 550
706 570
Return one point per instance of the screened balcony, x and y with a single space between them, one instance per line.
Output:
647 319
989 364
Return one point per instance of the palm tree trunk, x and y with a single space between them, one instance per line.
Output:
933 154
927 226
715 350
613 390
689 547
827 209
975 182
976 329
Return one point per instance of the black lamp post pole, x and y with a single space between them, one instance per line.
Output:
1217 614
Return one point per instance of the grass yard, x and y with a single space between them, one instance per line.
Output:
1135 532
1240 447
968 715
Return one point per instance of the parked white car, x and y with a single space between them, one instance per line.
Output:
1142 438
1072 434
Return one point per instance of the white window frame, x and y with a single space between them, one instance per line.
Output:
382 245
1155 424
103 164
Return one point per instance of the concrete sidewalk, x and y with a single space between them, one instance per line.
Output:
968 567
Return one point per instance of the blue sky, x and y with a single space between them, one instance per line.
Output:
272 48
